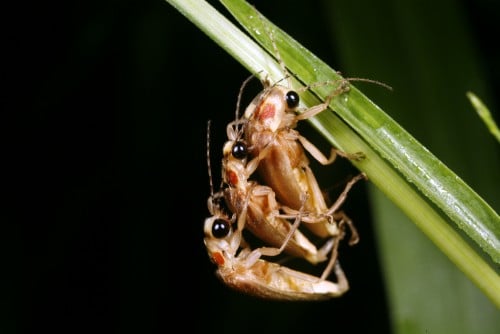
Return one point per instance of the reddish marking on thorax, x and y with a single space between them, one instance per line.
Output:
218 259
267 110
232 178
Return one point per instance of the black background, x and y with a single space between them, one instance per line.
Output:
107 163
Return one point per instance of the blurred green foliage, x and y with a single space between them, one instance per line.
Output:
432 53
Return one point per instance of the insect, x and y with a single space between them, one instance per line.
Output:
244 270
282 161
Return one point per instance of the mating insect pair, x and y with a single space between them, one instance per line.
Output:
265 141
277 149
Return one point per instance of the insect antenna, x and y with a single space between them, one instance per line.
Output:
214 200
376 82
210 179
343 81
240 93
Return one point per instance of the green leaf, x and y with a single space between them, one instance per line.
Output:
485 115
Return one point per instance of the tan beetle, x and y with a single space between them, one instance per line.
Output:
282 161
243 269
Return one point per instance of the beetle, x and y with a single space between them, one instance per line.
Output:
282 162
244 270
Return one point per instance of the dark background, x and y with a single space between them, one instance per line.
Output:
107 179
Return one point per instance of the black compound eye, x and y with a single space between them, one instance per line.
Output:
239 150
292 99
220 228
